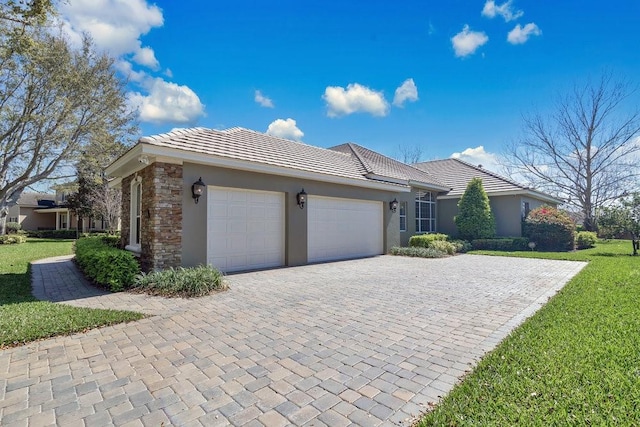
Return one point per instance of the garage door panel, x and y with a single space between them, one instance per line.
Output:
245 229
343 228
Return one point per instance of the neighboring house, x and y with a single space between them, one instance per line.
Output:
248 217
40 211
510 201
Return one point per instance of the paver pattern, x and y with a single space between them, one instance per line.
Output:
365 342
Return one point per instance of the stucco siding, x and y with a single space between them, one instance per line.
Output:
194 218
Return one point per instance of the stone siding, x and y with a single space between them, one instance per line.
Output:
161 233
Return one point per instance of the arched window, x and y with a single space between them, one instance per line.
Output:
136 215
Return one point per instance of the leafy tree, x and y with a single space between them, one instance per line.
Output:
622 220
54 102
584 151
475 219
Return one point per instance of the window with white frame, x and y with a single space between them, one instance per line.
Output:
425 212
136 214
64 221
403 216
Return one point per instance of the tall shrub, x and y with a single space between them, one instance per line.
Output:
475 219
550 229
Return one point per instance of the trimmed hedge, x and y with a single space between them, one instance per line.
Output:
106 265
418 252
12 239
425 240
586 239
52 234
551 229
508 244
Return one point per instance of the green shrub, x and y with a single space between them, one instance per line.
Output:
181 282
105 265
443 246
509 244
417 251
551 229
461 246
13 227
12 239
425 240
586 239
53 234
475 219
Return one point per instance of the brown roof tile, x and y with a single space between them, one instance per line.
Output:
243 144
378 164
457 174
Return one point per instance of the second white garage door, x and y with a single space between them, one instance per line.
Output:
245 229
343 228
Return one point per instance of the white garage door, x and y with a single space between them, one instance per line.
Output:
245 229
343 228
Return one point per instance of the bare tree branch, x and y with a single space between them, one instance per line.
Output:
587 150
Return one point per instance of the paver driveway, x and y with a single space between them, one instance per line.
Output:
364 342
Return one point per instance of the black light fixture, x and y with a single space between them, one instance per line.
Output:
393 205
197 189
301 198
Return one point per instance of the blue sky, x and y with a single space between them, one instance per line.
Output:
451 77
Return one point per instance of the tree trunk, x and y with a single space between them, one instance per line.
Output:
4 211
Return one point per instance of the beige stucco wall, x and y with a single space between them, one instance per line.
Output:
31 220
194 218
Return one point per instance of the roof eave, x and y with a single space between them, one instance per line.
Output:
524 192
429 186
130 163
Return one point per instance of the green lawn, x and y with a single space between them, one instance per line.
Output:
576 362
22 317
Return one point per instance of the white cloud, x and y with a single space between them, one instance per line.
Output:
127 70
285 129
478 156
355 99
491 9
408 91
263 100
520 35
466 42
167 103
114 25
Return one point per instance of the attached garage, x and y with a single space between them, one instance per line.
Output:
245 229
343 228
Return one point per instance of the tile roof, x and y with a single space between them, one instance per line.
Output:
457 174
247 145
377 164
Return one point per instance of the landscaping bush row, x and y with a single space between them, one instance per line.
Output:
9 239
105 264
509 244
181 282
52 234
416 251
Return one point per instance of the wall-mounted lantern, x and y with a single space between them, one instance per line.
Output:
393 205
197 189
301 198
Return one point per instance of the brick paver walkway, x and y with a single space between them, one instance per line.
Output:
365 342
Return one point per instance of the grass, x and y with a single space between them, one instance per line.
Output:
181 282
22 317
575 362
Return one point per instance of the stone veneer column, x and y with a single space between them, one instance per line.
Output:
161 239
125 214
